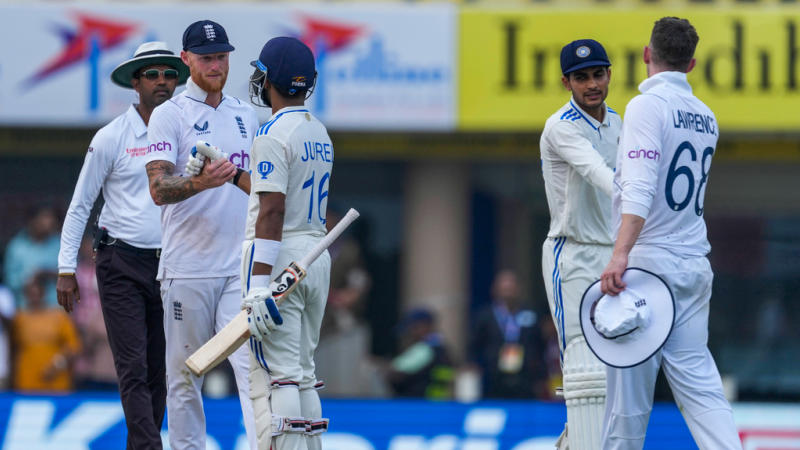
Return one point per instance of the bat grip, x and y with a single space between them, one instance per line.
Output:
326 241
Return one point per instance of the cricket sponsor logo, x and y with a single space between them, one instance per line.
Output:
137 151
202 129
641 153
746 72
240 159
82 421
162 146
265 168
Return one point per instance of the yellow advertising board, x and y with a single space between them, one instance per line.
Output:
747 69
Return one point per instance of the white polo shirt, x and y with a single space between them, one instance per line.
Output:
202 235
114 163
665 153
292 154
578 154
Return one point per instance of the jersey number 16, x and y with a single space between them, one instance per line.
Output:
322 194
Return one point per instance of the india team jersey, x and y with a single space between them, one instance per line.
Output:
292 154
667 143
577 155
202 235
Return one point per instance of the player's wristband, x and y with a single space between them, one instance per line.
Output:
259 281
67 274
265 251
236 177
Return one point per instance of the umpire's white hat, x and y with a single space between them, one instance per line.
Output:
627 329
149 54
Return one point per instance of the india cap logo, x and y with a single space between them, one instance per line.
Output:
582 51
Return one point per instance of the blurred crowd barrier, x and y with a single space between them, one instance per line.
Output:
95 421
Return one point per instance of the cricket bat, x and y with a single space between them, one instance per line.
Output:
233 335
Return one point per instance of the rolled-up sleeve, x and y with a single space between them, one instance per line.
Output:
641 136
566 141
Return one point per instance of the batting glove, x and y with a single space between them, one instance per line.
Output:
196 161
262 313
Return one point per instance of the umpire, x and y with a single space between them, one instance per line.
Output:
127 242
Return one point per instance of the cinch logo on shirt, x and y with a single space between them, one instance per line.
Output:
644 154
137 151
162 146
265 168
202 129
240 160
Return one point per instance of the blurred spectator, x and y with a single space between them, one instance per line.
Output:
34 251
94 365
552 358
45 344
424 367
507 344
7 310
343 358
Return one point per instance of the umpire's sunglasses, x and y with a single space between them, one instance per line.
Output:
153 74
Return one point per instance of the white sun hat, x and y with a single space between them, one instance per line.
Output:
627 329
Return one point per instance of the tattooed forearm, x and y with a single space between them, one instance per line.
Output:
166 188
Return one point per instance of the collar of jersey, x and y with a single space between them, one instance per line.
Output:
287 109
195 92
137 124
589 119
676 80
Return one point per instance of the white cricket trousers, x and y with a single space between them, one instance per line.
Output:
290 350
194 310
687 362
569 268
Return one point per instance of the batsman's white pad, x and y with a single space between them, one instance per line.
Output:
281 425
259 394
312 410
288 423
585 395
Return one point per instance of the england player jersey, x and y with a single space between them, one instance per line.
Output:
202 235
577 155
664 159
292 154
114 163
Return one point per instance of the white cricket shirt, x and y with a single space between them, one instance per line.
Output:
578 154
202 235
114 163
292 154
664 159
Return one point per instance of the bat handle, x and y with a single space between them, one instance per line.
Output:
326 241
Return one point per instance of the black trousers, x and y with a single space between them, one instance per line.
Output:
131 300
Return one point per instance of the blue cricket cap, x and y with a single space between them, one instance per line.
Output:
581 54
205 37
288 63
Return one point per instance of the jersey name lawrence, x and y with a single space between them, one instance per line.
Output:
669 139
202 235
578 154
292 154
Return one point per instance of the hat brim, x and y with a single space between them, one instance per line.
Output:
211 48
123 74
586 64
640 345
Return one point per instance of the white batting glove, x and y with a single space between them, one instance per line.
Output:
262 313
195 163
